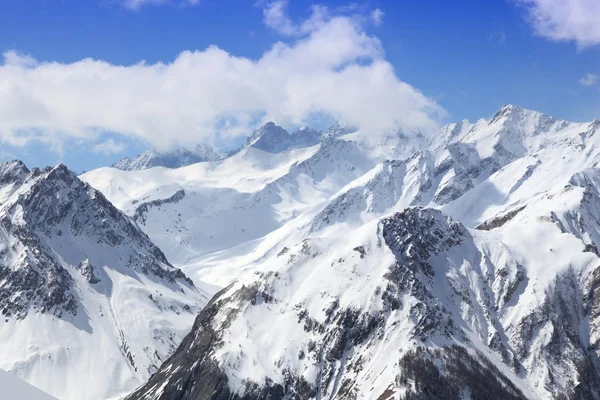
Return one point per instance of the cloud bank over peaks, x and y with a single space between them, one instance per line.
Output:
328 64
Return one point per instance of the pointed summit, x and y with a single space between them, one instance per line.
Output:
271 138
12 171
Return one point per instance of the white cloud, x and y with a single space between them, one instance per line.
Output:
334 68
137 4
377 17
276 18
498 36
13 57
566 20
589 80
109 147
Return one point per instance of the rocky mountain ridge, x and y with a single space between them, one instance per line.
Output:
418 264
82 285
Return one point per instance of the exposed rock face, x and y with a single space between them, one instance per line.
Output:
339 343
53 206
143 208
420 294
69 263
453 373
500 220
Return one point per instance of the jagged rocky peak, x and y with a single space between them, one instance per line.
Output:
52 219
305 137
271 138
523 120
12 171
169 159
508 111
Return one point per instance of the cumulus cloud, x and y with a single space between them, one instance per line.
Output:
566 20
109 147
589 80
330 66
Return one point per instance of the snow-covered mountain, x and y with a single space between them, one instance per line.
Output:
173 159
14 388
450 265
274 139
90 306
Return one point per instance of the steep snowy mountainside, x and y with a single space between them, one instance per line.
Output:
80 286
14 388
247 171
343 312
170 159
560 154
193 211
488 281
347 314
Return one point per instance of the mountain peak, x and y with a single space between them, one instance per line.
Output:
271 138
12 171
505 112
516 114
180 157
270 128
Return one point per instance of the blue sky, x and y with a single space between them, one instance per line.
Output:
468 57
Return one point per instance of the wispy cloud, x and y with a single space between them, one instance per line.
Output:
498 36
137 4
565 20
276 16
328 64
589 80
377 16
109 147
277 19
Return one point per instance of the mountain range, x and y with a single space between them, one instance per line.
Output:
344 264
168 159
270 138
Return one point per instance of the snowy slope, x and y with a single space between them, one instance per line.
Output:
14 388
82 286
342 292
174 159
208 207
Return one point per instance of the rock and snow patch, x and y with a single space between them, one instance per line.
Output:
81 286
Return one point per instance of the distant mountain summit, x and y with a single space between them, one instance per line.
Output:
273 138
270 137
173 159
